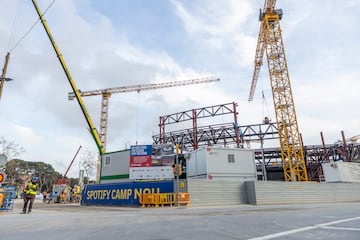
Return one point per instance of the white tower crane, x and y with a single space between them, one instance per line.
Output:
106 94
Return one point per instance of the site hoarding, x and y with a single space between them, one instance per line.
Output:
122 194
148 162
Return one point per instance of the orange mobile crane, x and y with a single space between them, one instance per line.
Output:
61 185
270 41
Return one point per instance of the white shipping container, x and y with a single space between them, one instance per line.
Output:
341 171
115 166
222 163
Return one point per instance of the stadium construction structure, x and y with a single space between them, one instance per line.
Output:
230 134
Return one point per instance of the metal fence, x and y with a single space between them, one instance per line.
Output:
7 196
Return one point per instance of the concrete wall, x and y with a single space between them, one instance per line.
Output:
269 192
220 192
216 192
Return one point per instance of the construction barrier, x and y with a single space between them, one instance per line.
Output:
2 197
147 199
164 199
183 199
7 196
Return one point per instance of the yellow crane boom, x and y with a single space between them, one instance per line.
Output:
270 41
92 128
107 92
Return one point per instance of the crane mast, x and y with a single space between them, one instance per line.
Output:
107 92
270 41
92 128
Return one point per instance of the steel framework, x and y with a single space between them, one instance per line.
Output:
190 138
224 134
231 135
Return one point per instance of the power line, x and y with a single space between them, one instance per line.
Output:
15 24
32 26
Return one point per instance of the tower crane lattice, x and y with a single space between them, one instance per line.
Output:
270 41
107 92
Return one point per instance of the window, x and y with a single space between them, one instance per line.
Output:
107 160
231 158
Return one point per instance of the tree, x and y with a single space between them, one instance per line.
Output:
10 149
20 171
88 160
15 170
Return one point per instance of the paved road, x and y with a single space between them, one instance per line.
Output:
66 222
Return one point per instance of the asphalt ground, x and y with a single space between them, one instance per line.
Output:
72 221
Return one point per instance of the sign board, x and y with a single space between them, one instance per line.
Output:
2 177
125 193
151 162
140 156
161 172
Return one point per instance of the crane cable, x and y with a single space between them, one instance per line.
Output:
137 116
28 31
264 104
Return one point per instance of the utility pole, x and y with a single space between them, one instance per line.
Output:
3 75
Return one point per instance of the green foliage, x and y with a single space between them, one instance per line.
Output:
19 172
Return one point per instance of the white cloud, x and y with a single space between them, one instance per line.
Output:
220 40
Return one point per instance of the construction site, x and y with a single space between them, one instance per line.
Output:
217 161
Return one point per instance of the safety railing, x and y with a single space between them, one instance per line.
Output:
164 199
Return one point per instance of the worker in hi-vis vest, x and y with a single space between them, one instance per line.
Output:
30 193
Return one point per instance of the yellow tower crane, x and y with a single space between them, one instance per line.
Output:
107 92
270 41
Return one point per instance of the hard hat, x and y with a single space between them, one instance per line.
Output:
35 179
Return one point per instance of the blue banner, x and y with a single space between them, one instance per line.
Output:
141 150
125 193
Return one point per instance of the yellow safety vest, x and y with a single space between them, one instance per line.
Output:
31 188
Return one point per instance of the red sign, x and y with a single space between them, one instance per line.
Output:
140 161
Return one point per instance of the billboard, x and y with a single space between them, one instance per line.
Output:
151 162
126 193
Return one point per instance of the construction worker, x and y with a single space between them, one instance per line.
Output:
30 193
44 196
63 196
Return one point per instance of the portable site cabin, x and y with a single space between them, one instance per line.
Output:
115 166
222 163
340 171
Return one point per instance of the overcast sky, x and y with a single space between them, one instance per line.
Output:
118 43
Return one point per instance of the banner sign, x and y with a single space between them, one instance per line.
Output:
140 156
161 172
149 162
125 193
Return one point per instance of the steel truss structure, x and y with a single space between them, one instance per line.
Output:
192 138
231 135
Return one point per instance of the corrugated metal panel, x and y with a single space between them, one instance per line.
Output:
301 192
222 192
205 192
